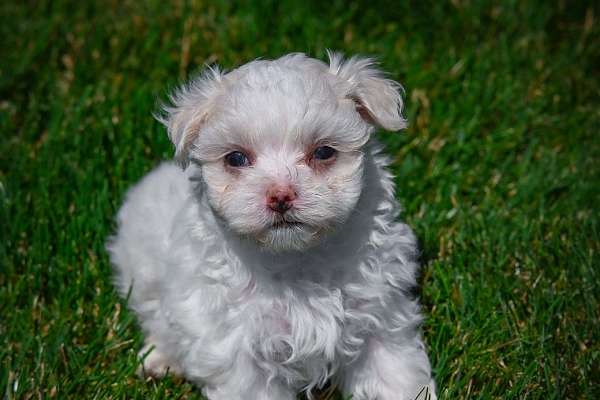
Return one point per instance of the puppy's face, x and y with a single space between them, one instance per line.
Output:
280 143
282 164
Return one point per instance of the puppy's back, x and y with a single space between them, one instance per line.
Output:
139 250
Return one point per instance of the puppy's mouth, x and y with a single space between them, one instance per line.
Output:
287 233
283 224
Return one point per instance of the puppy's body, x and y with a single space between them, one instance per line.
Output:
253 313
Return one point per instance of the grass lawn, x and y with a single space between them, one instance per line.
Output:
499 174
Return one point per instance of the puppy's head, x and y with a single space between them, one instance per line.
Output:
280 143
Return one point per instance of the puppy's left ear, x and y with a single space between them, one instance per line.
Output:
378 99
190 110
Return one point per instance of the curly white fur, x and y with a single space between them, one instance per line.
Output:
249 309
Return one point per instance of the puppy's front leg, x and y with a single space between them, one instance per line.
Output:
231 392
390 371
245 380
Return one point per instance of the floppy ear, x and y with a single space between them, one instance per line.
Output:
378 99
190 108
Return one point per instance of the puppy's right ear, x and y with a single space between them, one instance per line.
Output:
190 108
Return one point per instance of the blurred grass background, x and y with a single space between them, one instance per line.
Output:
498 173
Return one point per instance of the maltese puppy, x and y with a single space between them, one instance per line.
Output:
273 262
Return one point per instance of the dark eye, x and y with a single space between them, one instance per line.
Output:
324 153
237 159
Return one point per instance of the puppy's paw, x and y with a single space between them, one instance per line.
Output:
155 364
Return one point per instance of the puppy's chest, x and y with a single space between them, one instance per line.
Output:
299 330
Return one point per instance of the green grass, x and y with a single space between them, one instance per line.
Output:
499 174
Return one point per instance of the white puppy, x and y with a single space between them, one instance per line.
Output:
274 262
